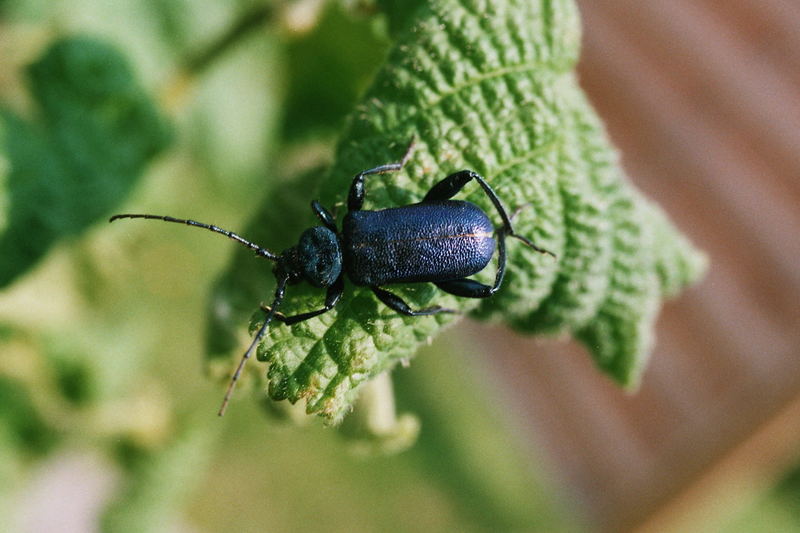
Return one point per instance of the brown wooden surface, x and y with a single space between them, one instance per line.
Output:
702 98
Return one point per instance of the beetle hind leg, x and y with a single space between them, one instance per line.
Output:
466 288
452 185
396 303
469 288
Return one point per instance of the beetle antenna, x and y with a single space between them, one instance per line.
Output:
263 252
529 243
526 241
279 291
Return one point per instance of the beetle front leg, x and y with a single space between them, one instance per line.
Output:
355 198
396 303
324 216
332 297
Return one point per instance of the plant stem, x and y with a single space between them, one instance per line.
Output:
199 61
196 63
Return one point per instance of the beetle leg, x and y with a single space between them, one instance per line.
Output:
396 303
466 288
280 317
452 184
331 299
469 288
324 215
355 198
449 186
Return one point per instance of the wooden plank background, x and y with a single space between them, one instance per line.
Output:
702 98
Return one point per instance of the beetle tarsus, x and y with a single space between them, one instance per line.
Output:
398 304
355 198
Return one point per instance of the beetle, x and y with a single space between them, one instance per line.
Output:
437 240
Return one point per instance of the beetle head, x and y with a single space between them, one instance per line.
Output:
317 259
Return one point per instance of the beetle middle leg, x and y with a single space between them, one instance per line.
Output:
332 297
396 303
355 198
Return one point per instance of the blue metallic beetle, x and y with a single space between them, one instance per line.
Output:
437 240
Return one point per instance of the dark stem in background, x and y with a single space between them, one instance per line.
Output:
197 62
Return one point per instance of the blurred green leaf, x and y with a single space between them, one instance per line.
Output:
777 509
400 13
73 376
328 69
5 167
97 130
25 427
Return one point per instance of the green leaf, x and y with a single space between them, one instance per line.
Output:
5 168
24 425
490 87
312 106
400 13
98 130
